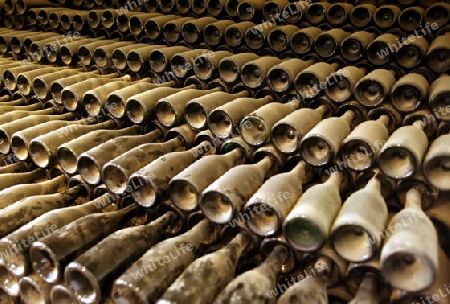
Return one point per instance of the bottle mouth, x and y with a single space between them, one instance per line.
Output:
85 55
8 282
360 17
385 17
352 49
89 170
198 6
134 61
5 146
286 138
354 243
437 171
40 154
279 80
61 294
94 19
31 293
338 88
122 23
82 283
254 38
278 40
254 131
304 234
370 92
264 223
220 123
166 113
184 195
308 84
317 151
171 32
379 53
214 7
246 11
180 66
9 79
152 29
325 45
252 75
115 178
212 35
24 85
439 102
406 98
410 20
115 105
233 36
437 14
217 207
336 14
135 111
408 270
409 56
315 13
196 115
136 26
69 99
294 13
107 19
101 58
67 159
45 263
158 61
13 259
190 32
397 162
229 71
119 59
124 293
19 147
301 43
358 155
203 68
439 60
143 190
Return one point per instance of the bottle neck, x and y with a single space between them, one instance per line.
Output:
384 119
413 200
55 184
348 116
322 110
336 179
236 154
303 171
276 259
238 244
265 164
152 136
368 289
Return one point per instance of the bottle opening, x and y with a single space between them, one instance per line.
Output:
304 234
79 280
286 138
217 207
353 243
184 195
89 170
397 162
316 151
406 98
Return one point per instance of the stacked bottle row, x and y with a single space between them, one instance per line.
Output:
273 39
303 13
314 238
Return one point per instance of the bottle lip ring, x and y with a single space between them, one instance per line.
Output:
87 274
56 273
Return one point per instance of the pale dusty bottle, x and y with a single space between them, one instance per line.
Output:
11 179
17 243
288 132
275 198
198 109
161 265
361 222
411 266
402 154
50 254
92 271
409 91
373 88
21 212
155 176
68 153
141 107
208 274
116 172
308 223
15 193
115 102
221 205
256 127
8 129
185 188
170 110
436 163
20 140
224 120
252 286
43 148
